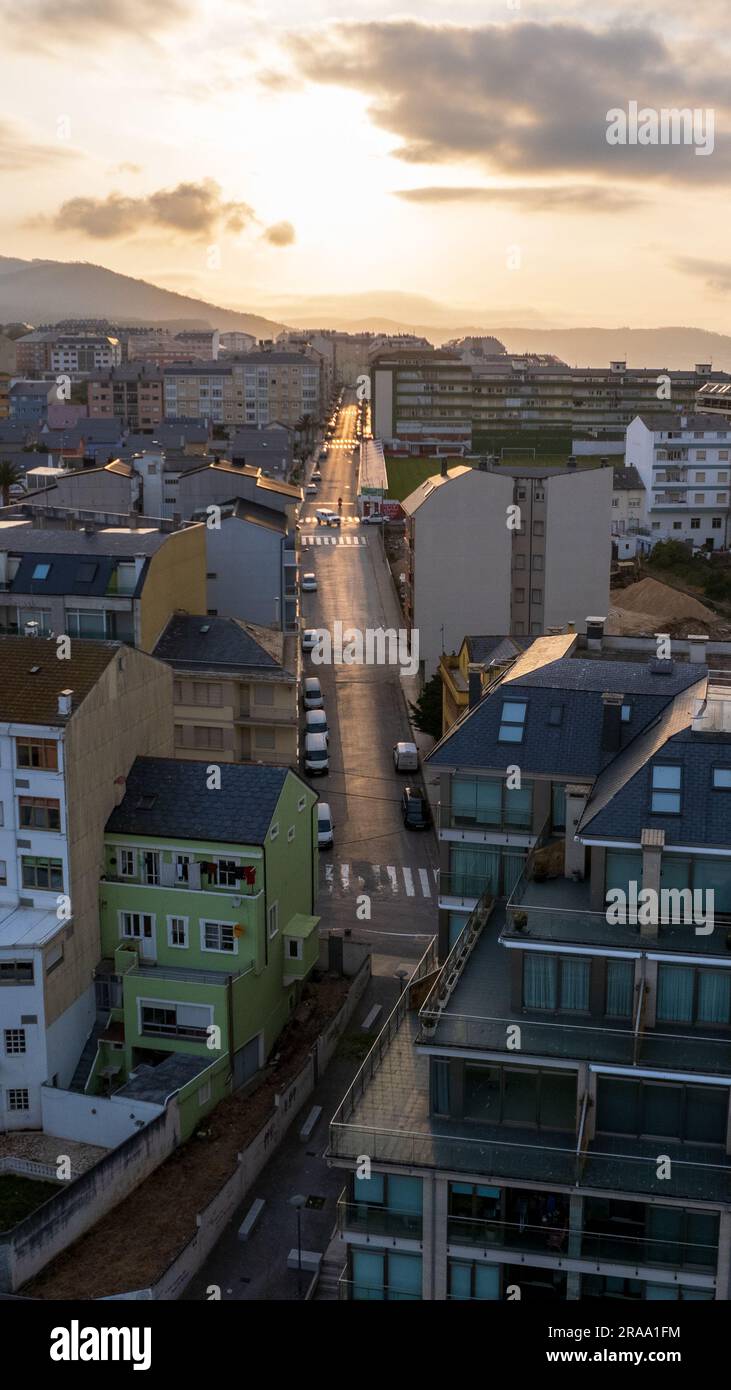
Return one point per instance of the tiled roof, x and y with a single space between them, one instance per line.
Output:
33 677
121 541
167 797
205 642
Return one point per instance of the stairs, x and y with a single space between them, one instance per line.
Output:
87 1058
327 1290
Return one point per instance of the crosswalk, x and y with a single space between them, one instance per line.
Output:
333 540
378 880
344 520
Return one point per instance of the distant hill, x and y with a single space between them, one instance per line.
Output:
44 291
671 347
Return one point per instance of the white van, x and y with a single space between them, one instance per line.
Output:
312 693
325 826
405 757
316 722
325 517
316 759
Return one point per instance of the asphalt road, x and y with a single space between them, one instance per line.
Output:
373 854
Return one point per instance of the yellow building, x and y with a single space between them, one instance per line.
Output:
482 657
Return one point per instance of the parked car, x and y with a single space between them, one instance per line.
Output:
374 519
323 453
309 639
325 826
415 808
311 489
405 757
316 722
316 476
309 583
316 759
312 693
324 516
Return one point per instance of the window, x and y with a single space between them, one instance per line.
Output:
538 528
512 721
265 738
666 784
127 863
227 873
716 523
290 834
16 972
626 713
264 695
519 562
538 562
136 924
529 1096
689 995
274 831
178 932
536 596
14 1041
3 872
294 948
42 873
41 752
555 982
40 572
520 595
695 523
273 920
151 866
39 813
722 779
204 737
182 869
487 801
620 984
667 1110
218 936
302 803
17 1098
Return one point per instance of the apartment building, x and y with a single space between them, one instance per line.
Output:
684 464
203 391
527 546
28 401
70 729
207 919
237 341
132 394
113 582
416 391
628 501
56 350
281 386
546 1113
163 348
235 690
253 561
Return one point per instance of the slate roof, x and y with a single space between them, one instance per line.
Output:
33 677
167 797
627 479
572 747
497 649
208 643
19 536
156 1084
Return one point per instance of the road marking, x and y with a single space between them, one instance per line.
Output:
424 877
393 877
376 871
345 876
334 540
408 881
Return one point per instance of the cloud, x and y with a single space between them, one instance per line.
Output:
195 210
533 197
48 23
715 274
126 167
18 153
280 234
521 98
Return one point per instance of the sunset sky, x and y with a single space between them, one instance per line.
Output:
256 154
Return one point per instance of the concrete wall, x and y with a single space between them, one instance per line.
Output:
105 1121
578 547
93 489
176 582
247 561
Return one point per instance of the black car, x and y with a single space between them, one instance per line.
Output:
415 808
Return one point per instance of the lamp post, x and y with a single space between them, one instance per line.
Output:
298 1202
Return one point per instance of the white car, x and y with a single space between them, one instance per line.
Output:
326 517
309 639
405 757
325 826
316 723
309 583
311 489
312 694
374 519
316 476
316 759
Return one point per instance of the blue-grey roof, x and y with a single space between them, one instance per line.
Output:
498 649
156 1084
214 642
167 797
68 574
571 748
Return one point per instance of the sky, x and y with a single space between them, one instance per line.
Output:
265 155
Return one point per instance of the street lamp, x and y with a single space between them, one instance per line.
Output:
298 1202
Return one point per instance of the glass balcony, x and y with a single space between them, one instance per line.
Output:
378 1221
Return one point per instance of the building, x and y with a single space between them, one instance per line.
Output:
237 341
253 566
529 550
207 918
684 463
372 482
130 393
418 391
163 348
28 401
628 501
113 582
60 350
547 1115
235 691
269 448
70 730
479 659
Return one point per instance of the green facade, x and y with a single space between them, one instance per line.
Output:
221 991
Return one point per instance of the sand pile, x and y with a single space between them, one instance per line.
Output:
651 597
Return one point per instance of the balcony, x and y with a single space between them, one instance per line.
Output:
370 1220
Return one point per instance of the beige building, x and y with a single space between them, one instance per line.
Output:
235 691
71 730
499 551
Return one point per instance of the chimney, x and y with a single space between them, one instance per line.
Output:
595 634
133 521
474 687
64 702
571 626
697 648
611 721
444 468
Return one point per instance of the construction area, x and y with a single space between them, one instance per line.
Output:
649 606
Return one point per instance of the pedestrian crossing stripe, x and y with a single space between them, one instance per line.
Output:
334 540
388 880
344 520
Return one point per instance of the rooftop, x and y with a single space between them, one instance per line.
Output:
25 927
171 798
205 643
33 677
157 1084
120 541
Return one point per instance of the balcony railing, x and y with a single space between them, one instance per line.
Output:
599 1246
371 1220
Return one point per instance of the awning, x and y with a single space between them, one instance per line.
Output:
301 926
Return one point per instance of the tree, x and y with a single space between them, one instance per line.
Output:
669 554
427 712
9 475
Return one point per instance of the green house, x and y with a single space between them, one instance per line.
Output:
207 924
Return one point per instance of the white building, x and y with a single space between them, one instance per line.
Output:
684 463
